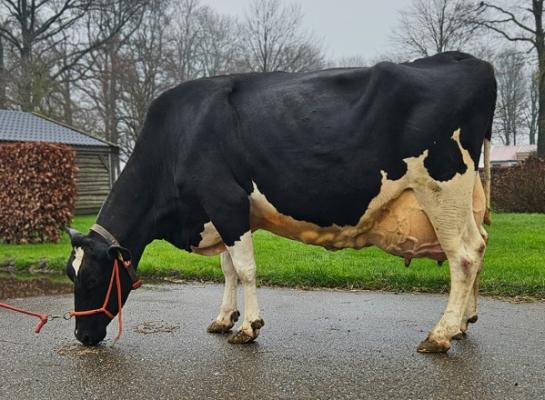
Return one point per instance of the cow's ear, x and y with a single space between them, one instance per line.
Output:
76 238
115 250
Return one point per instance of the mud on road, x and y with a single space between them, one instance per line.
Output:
13 286
314 345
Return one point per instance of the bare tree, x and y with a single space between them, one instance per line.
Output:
107 65
348 62
182 65
218 49
512 90
273 39
3 77
532 107
30 23
433 26
202 43
145 76
522 23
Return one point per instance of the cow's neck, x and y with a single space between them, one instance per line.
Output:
130 212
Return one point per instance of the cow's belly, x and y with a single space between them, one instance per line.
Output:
397 224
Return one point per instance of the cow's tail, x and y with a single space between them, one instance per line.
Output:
486 178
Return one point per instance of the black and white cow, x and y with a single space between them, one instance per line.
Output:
350 157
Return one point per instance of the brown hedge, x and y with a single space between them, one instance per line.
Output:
37 191
520 188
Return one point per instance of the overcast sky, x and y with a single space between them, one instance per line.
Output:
346 27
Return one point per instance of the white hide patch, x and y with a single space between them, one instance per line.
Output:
78 258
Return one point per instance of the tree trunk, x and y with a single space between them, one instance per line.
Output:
25 84
111 93
67 103
540 48
3 80
541 107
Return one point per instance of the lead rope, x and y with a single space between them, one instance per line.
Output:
43 317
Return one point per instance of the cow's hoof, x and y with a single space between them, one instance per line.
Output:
257 324
240 337
220 327
459 336
432 346
244 336
465 325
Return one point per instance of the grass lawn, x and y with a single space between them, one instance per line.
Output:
514 262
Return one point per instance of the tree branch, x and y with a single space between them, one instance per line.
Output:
9 36
506 35
512 17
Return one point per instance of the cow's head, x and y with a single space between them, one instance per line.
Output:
90 267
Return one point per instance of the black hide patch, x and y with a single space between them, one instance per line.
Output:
444 160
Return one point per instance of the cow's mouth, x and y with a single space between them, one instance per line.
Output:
89 339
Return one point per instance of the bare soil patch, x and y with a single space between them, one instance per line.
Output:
13 287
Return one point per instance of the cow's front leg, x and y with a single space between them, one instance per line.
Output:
242 255
228 314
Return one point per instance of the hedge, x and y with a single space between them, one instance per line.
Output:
37 191
520 188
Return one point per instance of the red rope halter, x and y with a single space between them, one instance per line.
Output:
114 277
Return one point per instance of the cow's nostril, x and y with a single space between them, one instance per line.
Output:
83 338
88 339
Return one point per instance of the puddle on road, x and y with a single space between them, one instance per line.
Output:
150 327
28 285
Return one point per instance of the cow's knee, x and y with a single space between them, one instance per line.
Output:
246 274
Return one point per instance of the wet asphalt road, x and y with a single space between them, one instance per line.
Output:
326 345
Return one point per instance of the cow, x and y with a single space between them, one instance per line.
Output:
340 158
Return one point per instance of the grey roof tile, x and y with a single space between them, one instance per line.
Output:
28 127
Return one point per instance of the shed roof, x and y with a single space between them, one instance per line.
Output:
509 153
20 126
506 154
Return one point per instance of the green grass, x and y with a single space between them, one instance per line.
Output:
514 262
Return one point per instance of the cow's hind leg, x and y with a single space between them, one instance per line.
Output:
471 316
448 205
228 314
464 250
465 261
